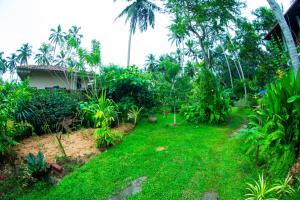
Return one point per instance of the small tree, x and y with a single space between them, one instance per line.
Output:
174 83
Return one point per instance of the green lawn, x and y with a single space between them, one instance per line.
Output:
196 160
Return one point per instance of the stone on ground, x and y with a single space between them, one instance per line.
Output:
132 188
210 196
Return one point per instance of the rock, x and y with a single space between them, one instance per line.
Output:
132 188
210 196
56 167
152 119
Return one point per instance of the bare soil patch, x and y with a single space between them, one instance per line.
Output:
78 144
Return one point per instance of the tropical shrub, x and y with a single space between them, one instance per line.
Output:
262 191
98 112
134 114
37 166
47 108
273 131
105 137
128 87
11 96
208 103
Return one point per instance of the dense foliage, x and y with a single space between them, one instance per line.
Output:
208 103
11 96
98 112
129 87
273 134
47 109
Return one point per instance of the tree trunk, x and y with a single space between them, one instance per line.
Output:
228 66
129 48
240 70
174 117
182 57
54 50
206 59
287 34
243 77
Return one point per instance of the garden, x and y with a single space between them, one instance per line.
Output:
219 118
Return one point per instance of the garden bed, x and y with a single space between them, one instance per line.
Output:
79 144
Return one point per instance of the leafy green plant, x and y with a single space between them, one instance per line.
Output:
208 103
11 96
260 190
129 86
284 188
98 112
105 138
49 107
275 125
134 113
37 166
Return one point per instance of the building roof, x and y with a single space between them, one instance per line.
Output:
41 68
289 15
24 70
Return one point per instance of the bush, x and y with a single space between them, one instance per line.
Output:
273 135
105 138
128 87
208 103
98 112
11 96
47 108
37 166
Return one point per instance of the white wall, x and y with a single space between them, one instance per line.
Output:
42 80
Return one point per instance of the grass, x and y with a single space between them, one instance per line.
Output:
195 160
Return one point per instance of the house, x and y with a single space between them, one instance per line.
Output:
292 17
57 77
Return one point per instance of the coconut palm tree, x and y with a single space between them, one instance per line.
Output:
191 50
12 63
24 54
286 33
61 59
43 57
177 35
3 64
151 63
140 12
74 33
57 37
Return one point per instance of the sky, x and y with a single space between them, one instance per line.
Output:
30 21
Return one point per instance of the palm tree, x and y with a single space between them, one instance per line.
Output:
57 37
24 54
61 59
287 34
190 69
3 64
43 57
151 63
74 33
177 35
12 63
140 12
191 50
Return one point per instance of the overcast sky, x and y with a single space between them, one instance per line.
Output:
30 21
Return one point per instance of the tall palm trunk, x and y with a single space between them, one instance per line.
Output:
243 77
235 55
54 50
228 66
129 48
287 34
